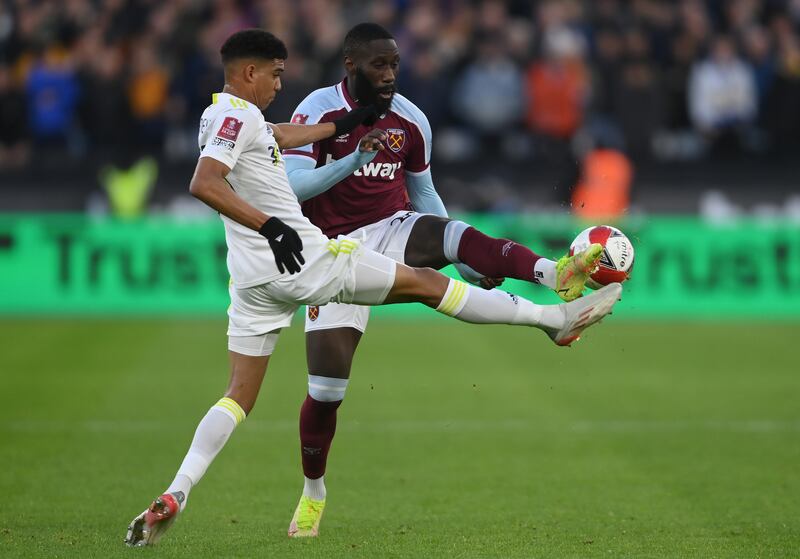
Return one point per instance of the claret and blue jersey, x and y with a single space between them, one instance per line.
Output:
377 189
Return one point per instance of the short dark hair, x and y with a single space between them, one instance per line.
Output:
362 34
253 43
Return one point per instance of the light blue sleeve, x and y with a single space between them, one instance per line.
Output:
308 181
423 195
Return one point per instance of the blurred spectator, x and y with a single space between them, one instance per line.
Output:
104 112
684 51
14 145
758 52
722 92
488 94
637 99
147 93
558 91
425 81
603 192
558 86
52 89
783 105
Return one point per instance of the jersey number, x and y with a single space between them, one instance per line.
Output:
275 154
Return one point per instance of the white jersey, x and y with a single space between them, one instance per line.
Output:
234 132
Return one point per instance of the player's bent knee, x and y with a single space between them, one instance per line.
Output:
327 389
423 285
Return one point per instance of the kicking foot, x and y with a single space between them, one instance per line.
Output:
305 522
148 527
583 312
573 271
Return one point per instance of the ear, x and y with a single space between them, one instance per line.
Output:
349 65
249 71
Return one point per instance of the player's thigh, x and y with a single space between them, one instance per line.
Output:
371 280
255 311
424 248
330 352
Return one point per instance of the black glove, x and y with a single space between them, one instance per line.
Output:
359 115
285 243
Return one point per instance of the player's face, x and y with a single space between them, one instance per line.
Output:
267 81
374 72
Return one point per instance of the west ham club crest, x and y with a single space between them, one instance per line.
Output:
396 139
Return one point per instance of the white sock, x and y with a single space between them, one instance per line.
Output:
545 272
314 488
479 306
211 435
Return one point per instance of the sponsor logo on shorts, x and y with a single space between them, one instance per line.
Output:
396 139
230 128
401 218
313 313
227 144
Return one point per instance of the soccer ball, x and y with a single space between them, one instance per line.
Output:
616 262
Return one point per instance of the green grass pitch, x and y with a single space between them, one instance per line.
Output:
643 440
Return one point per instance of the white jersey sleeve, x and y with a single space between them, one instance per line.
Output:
227 135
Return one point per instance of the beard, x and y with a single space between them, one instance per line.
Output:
367 94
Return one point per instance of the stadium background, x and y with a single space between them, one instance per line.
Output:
671 430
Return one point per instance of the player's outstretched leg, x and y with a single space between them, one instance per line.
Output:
487 256
563 323
211 435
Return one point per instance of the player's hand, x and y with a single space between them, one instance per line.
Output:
471 276
372 141
285 243
356 117
491 283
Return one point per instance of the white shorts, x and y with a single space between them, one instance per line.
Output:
345 271
389 237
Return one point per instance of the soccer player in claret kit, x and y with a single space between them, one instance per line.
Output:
386 199
278 260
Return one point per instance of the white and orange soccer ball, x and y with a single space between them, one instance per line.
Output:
616 262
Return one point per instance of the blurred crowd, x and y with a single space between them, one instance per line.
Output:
657 79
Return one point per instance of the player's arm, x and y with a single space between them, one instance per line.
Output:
290 135
308 181
426 200
423 194
209 185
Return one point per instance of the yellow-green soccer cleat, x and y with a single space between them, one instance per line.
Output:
573 271
305 522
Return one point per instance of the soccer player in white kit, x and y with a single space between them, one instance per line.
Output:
278 260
